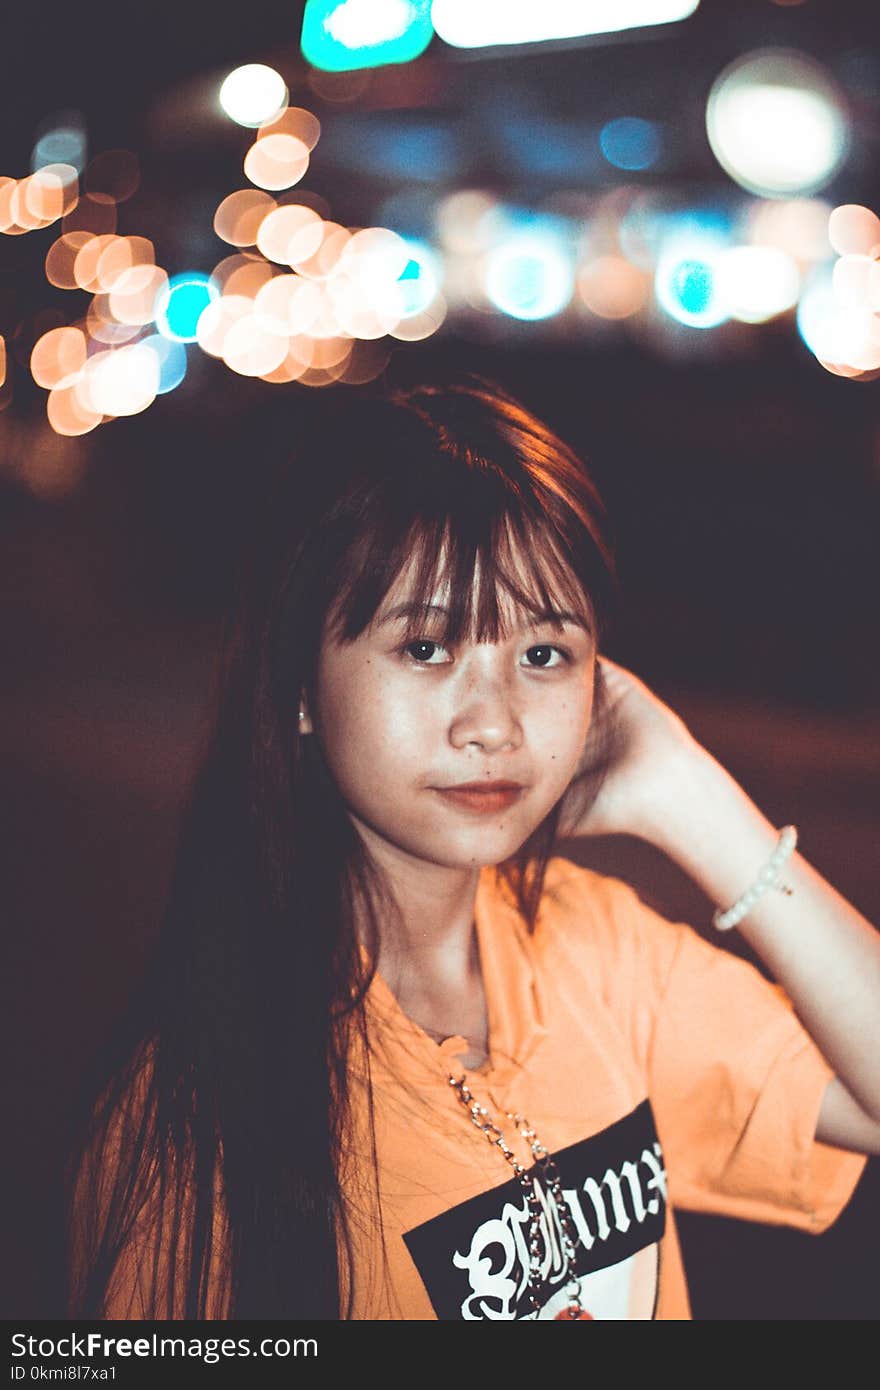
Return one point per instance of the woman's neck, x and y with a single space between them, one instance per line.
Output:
428 952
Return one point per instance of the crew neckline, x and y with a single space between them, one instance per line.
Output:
515 1017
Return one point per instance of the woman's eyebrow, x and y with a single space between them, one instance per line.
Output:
557 617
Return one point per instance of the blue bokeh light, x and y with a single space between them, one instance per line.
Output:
420 278
629 142
172 361
530 277
686 285
181 303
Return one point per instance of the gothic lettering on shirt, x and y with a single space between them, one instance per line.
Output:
474 1258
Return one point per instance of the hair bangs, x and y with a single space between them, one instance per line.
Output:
473 572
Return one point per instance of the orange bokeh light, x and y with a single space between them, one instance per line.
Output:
247 280
613 288
249 350
58 357
104 328
119 257
61 259
51 192
7 186
854 230
291 369
323 260
274 303
218 318
238 218
296 121
85 267
24 200
133 299
290 233
66 413
276 161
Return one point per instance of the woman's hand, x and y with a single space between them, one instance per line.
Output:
639 750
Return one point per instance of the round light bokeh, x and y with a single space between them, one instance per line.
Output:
777 124
529 277
687 283
253 94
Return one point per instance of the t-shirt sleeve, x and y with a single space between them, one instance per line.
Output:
735 1081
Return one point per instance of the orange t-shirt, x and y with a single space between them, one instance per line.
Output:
659 1070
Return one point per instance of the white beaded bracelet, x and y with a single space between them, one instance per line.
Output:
767 878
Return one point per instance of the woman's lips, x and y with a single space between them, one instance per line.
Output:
480 802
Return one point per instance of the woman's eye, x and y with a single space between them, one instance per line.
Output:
544 656
424 651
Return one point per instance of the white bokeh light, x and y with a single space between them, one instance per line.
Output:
776 123
252 95
757 282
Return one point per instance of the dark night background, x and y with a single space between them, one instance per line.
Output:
743 482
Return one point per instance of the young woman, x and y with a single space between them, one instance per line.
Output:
394 1059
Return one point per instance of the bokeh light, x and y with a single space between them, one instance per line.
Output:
776 123
171 356
798 226
250 349
58 357
756 282
529 277
419 279
686 284
120 381
61 139
854 230
240 215
135 294
851 281
296 121
66 413
629 142
85 266
463 221
217 320
247 278
612 287
253 94
181 303
276 161
125 264
51 191
465 24
290 233
338 35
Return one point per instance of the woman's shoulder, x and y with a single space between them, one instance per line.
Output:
575 895
600 924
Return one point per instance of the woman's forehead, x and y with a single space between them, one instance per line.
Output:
538 585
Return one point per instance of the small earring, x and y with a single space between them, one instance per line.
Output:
302 714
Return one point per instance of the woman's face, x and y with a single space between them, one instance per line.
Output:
403 722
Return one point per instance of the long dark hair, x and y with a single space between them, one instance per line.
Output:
217 1140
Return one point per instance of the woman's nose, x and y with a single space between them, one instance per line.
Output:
486 716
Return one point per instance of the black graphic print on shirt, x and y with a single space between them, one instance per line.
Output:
474 1258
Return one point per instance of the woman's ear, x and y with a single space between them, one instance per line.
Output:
305 723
